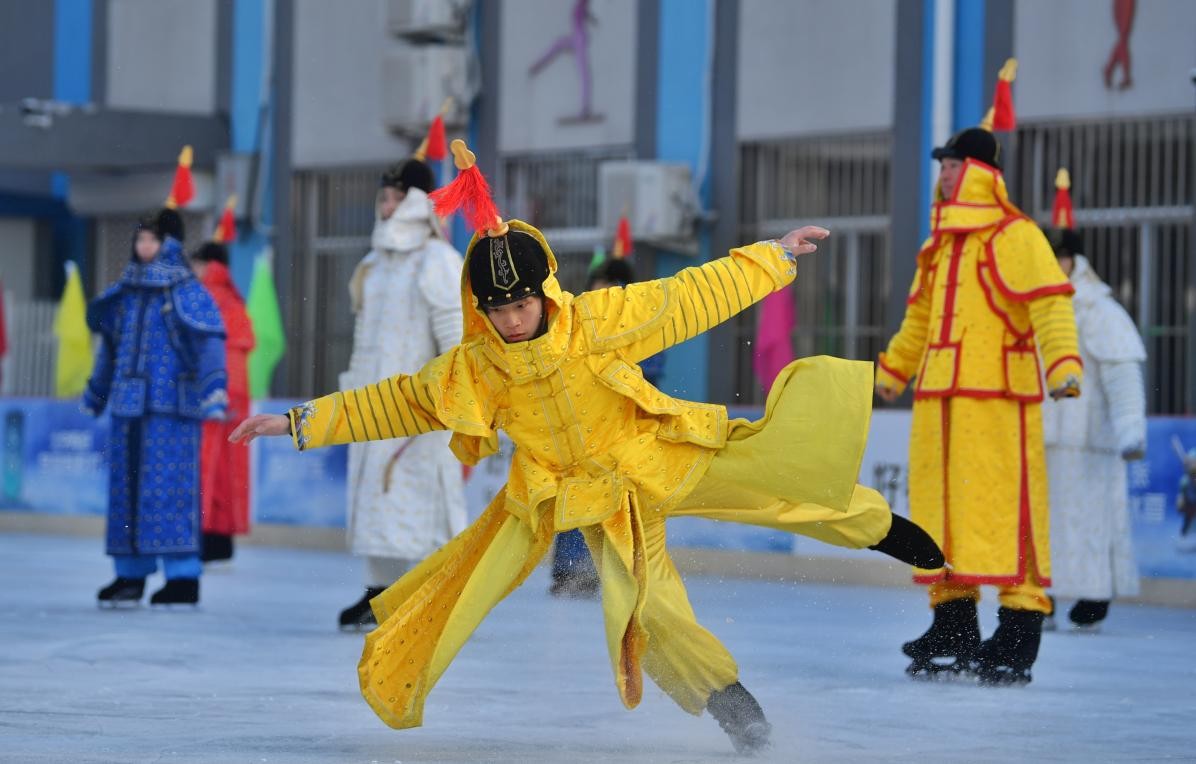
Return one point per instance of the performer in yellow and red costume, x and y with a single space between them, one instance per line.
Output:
599 448
988 300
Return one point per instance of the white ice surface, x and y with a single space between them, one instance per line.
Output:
259 674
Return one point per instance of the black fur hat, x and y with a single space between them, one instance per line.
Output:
973 143
170 223
1065 242
615 270
211 252
507 268
411 173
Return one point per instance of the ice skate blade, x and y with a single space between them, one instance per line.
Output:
928 671
753 739
1084 628
357 628
118 604
174 606
1002 678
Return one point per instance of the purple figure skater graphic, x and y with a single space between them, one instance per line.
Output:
577 42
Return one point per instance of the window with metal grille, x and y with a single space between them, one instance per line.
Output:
841 182
333 217
1132 189
558 193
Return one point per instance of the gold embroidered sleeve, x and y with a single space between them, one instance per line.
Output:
645 318
393 408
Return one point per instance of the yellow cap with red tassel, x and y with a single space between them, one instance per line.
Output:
433 145
182 190
1001 116
1062 213
470 193
226 229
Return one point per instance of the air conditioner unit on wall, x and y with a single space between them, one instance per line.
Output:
428 20
415 83
657 198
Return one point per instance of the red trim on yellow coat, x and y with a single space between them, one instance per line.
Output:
1009 292
982 267
1025 535
952 287
892 372
1062 360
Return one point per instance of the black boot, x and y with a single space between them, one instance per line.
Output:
178 591
741 717
1005 658
216 546
576 585
359 616
907 542
1088 614
952 638
122 591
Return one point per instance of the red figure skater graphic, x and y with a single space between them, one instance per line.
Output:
1123 17
577 42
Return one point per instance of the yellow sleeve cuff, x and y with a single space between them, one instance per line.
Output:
887 376
1065 370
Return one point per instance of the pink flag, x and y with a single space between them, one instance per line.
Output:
774 336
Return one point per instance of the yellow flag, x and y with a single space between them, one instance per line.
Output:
74 338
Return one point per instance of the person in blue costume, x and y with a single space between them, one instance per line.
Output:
159 372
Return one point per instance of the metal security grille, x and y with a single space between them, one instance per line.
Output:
558 193
1132 188
33 348
333 213
841 182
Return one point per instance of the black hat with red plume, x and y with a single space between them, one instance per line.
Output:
505 265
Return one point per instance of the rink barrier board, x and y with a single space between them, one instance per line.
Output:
54 464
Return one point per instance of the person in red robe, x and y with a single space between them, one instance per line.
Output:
224 481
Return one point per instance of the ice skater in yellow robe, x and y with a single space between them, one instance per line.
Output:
600 449
988 299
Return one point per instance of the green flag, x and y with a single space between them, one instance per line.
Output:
269 341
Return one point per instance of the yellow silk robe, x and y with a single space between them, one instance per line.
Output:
598 447
988 299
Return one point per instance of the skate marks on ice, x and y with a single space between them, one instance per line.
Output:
260 673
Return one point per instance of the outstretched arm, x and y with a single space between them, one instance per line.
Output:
444 395
393 408
645 318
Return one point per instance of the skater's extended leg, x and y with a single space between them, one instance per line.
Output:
427 616
684 659
731 498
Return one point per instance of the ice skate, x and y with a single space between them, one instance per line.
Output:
178 591
741 717
1005 658
947 648
123 592
359 616
1086 616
